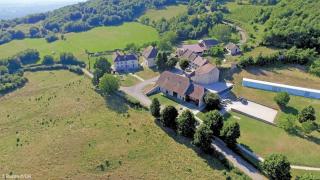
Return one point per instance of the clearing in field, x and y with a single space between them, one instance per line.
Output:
95 40
167 12
58 127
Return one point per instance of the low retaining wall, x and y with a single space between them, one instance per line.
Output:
293 90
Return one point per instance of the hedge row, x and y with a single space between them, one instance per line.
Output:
71 68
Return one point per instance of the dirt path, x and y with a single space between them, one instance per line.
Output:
243 33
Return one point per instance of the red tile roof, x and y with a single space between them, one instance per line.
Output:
173 82
205 69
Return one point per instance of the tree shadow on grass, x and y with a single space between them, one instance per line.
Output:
289 110
211 160
116 103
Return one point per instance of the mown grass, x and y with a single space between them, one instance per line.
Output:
167 12
95 40
128 80
164 100
58 127
264 139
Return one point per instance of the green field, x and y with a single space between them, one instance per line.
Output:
265 139
58 127
95 40
164 100
167 12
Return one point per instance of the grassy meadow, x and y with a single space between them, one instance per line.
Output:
95 40
58 127
265 139
167 12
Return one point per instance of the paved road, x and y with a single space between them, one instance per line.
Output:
243 33
137 91
237 160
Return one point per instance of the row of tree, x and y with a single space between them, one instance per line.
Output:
185 125
294 55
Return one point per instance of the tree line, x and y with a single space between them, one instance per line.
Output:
78 17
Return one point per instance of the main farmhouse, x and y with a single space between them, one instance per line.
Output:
189 86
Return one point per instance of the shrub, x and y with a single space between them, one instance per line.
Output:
48 60
69 59
309 126
51 38
307 114
29 56
277 167
183 63
212 101
282 98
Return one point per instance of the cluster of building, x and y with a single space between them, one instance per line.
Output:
188 86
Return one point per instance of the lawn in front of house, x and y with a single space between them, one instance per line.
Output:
147 73
57 126
167 12
128 80
95 40
165 100
264 139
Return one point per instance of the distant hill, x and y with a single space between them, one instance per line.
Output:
17 10
79 17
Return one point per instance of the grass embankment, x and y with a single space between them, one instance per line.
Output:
167 12
58 127
265 139
95 40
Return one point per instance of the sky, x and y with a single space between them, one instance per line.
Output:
20 2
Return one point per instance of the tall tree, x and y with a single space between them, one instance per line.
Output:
282 98
168 117
215 121
277 167
186 124
212 101
108 84
230 133
155 108
203 138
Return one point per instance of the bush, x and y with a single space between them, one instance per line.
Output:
29 56
168 117
183 63
277 167
186 124
69 59
48 60
212 101
307 114
309 126
282 98
51 38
